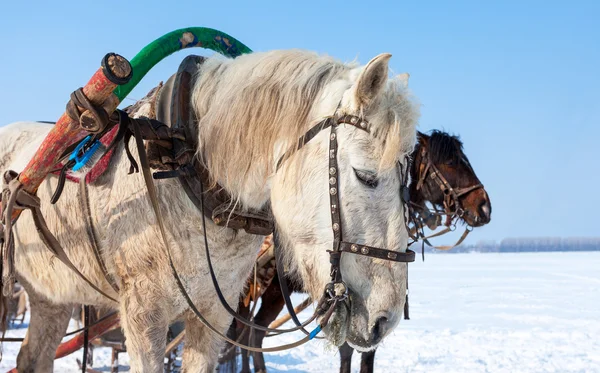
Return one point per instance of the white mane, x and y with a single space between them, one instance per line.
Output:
254 104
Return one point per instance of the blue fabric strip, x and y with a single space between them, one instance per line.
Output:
314 332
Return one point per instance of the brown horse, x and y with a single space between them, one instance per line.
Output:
441 175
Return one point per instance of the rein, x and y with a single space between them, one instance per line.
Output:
16 198
86 328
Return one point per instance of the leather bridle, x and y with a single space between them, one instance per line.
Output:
430 177
452 205
336 291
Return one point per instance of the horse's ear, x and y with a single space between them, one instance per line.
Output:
372 80
403 79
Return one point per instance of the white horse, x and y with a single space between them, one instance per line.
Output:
252 109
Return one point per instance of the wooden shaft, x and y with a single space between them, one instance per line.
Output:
174 343
66 131
76 343
299 308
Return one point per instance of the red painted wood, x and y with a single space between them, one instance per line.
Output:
64 133
76 343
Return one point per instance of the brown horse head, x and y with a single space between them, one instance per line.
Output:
442 175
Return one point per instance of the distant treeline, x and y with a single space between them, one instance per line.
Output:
529 244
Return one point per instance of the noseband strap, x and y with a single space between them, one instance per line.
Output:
374 252
462 191
452 205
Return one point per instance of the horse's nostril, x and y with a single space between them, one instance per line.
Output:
484 211
379 329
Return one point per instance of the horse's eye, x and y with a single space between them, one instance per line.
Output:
367 178
450 162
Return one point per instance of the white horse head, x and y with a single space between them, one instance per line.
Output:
255 107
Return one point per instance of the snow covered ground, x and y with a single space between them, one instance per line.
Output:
526 312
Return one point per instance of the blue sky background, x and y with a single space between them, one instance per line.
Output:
518 81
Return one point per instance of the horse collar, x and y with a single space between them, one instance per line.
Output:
172 108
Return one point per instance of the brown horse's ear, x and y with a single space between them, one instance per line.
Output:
422 138
372 80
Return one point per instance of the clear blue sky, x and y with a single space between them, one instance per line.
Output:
518 81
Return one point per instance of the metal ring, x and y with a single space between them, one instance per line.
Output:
330 291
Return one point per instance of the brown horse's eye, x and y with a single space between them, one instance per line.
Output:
450 162
367 178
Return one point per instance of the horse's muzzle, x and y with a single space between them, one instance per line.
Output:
366 329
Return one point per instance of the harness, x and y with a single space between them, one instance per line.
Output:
177 158
171 145
194 179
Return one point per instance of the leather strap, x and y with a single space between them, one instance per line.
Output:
285 291
91 231
374 252
20 199
447 247
86 340
309 135
77 331
79 99
173 107
223 301
334 205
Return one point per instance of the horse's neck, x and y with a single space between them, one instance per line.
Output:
416 195
250 192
